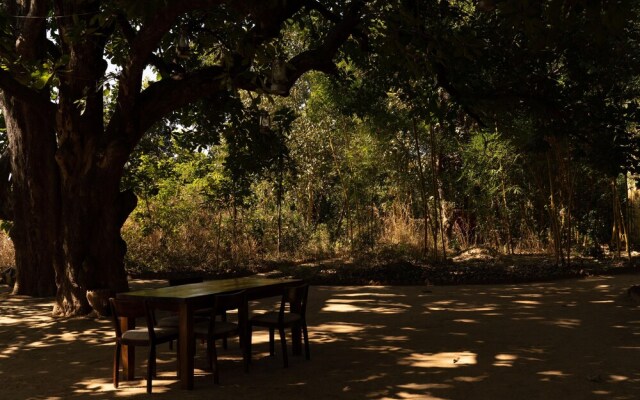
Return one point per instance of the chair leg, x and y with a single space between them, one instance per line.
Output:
154 372
214 356
271 342
178 361
224 342
246 358
116 365
151 366
305 335
247 348
224 338
209 353
283 340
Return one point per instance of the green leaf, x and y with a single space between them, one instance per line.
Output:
40 78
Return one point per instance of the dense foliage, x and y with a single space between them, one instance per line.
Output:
505 124
259 130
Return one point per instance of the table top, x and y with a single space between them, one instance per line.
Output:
208 288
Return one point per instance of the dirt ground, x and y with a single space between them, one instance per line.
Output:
571 339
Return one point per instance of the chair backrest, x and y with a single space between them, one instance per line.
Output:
296 298
231 301
124 308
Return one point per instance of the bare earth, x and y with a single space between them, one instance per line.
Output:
573 339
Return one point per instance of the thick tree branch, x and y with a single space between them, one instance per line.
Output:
268 22
320 58
165 69
13 88
145 42
32 34
167 95
30 43
147 39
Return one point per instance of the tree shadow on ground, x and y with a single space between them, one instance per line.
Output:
574 339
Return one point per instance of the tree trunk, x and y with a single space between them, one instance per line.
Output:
423 194
346 209
66 226
279 205
35 198
505 215
437 194
92 214
67 208
218 238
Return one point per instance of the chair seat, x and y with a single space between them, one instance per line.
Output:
174 321
204 312
271 318
294 298
142 335
150 336
221 328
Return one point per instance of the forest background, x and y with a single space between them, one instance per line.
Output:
509 126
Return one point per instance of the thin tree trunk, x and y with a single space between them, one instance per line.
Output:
619 231
346 211
505 213
234 234
438 220
615 234
569 204
310 204
626 218
218 238
554 215
279 206
423 191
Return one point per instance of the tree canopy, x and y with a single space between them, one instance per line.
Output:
446 111
76 105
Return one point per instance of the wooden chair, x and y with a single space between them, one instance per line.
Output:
296 299
174 320
214 329
149 336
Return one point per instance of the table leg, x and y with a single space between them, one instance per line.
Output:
128 352
186 346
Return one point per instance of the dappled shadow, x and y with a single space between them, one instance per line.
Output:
573 339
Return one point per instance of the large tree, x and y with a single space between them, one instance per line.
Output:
67 149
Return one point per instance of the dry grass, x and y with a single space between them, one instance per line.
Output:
7 252
401 229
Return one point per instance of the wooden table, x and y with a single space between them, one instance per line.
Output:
187 298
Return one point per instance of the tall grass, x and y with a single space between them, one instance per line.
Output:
7 253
